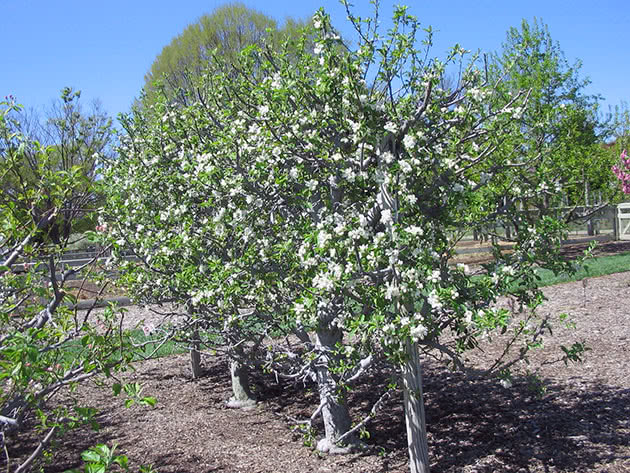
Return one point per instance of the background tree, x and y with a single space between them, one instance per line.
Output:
560 122
227 30
585 162
620 141
75 140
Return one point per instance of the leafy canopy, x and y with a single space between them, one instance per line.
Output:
224 32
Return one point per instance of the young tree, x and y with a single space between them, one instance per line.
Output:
45 344
333 207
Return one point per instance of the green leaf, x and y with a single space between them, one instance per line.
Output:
91 456
95 468
148 401
122 460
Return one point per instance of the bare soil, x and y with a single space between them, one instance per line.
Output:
580 424
87 290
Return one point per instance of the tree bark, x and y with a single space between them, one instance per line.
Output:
242 396
195 356
335 412
414 411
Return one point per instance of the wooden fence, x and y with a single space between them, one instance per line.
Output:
623 221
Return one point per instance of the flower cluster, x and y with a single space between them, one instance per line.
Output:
622 172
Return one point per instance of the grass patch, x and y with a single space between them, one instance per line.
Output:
146 348
599 266
170 347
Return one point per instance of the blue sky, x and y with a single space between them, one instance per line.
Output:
105 48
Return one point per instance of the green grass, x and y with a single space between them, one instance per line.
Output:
169 348
74 347
599 266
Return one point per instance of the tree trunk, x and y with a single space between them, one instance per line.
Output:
242 397
334 410
414 411
335 413
195 356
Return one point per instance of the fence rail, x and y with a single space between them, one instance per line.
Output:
607 223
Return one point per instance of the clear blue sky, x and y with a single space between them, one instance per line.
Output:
105 48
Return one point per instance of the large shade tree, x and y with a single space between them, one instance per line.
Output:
225 31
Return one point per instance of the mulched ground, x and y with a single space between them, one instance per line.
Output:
581 423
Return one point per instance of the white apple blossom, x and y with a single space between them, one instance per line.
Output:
349 174
415 230
409 141
419 332
391 127
392 291
386 216
509 270
323 238
323 281
434 300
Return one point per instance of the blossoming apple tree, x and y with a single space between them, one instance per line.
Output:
328 198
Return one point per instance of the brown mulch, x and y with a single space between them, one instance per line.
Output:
580 424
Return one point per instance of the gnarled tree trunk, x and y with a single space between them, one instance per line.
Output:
195 356
242 396
334 411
